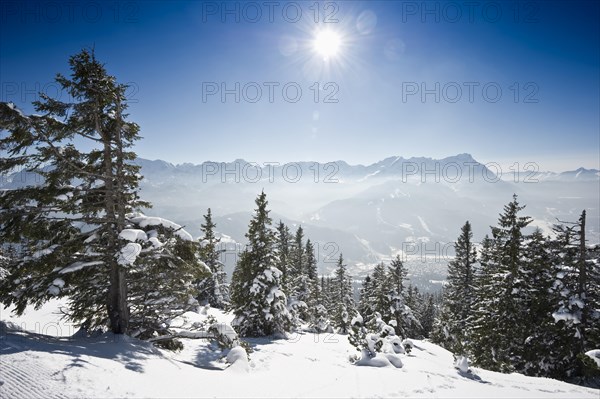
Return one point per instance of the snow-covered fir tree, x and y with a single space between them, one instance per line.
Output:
71 221
428 315
213 289
326 295
498 328
540 356
343 305
382 292
257 300
300 283
459 297
284 241
315 305
577 308
366 304
161 276
404 320
414 302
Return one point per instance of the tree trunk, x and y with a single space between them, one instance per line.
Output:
117 306
118 314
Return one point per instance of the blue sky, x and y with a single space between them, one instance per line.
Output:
396 76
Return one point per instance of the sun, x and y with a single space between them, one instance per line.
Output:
327 43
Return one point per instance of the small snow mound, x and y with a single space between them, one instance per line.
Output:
396 345
379 360
238 360
462 364
394 359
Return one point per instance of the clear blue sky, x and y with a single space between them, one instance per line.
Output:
173 52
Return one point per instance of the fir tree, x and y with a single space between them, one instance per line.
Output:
541 356
258 302
459 295
344 307
161 281
428 315
498 326
485 300
576 287
284 239
327 298
314 298
366 305
72 220
213 289
382 287
404 320
298 273
412 317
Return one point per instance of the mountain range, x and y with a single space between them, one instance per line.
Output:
409 206
414 207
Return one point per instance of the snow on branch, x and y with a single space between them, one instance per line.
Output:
143 221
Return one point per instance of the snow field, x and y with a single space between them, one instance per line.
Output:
306 365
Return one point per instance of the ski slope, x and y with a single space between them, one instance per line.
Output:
35 365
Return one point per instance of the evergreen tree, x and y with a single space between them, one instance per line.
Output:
541 356
576 311
398 274
284 240
459 296
428 315
299 282
327 295
298 272
258 302
484 308
404 321
344 308
382 292
73 218
366 305
413 315
213 289
498 323
314 298
320 321
161 280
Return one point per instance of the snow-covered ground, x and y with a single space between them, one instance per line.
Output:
38 359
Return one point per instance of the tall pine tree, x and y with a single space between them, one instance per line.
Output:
344 307
72 220
258 302
498 328
213 289
459 296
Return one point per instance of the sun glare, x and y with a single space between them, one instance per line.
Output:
327 43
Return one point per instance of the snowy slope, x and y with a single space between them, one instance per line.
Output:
306 365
